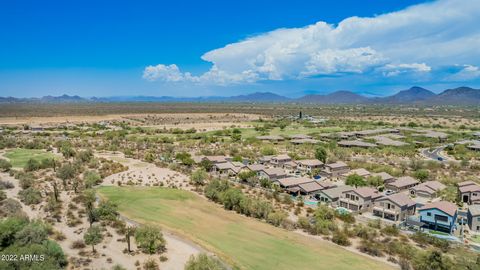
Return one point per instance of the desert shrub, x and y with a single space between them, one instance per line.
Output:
150 264
341 238
424 239
6 184
30 196
391 230
204 262
372 248
78 244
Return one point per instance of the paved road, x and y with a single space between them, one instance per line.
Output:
435 153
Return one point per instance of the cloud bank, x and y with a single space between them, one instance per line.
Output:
426 39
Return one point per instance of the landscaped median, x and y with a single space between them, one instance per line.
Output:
239 240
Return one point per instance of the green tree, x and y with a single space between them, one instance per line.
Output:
268 150
432 260
246 175
204 262
206 164
67 151
66 172
374 181
93 236
198 177
422 175
5 165
107 210
355 180
321 154
33 233
150 239
32 165
91 178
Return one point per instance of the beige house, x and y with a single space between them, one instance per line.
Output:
361 172
332 195
396 207
217 159
360 199
469 192
280 160
386 177
308 165
226 169
336 169
473 217
290 166
272 173
291 182
402 183
429 189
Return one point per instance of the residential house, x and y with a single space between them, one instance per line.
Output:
272 173
473 217
314 187
291 182
254 168
439 216
271 138
280 160
217 159
290 166
356 143
429 189
300 137
308 165
469 192
402 183
359 199
226 169
304 141
361 172
265 160
332 195
335 169
396 207
386 177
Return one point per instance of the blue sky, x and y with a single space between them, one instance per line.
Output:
193 48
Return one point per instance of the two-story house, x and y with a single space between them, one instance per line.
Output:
439 216
272 173
279 160
359 199
401 184
469 192
308 165
473 217
396 207
429 189
332 195
336 169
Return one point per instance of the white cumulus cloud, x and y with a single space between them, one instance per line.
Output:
414 40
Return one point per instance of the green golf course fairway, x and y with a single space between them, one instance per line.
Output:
243 241
19 157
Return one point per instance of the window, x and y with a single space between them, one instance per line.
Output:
392 206
347 196
478 218
429 214
441 218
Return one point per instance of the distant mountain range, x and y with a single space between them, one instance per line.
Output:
414 95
